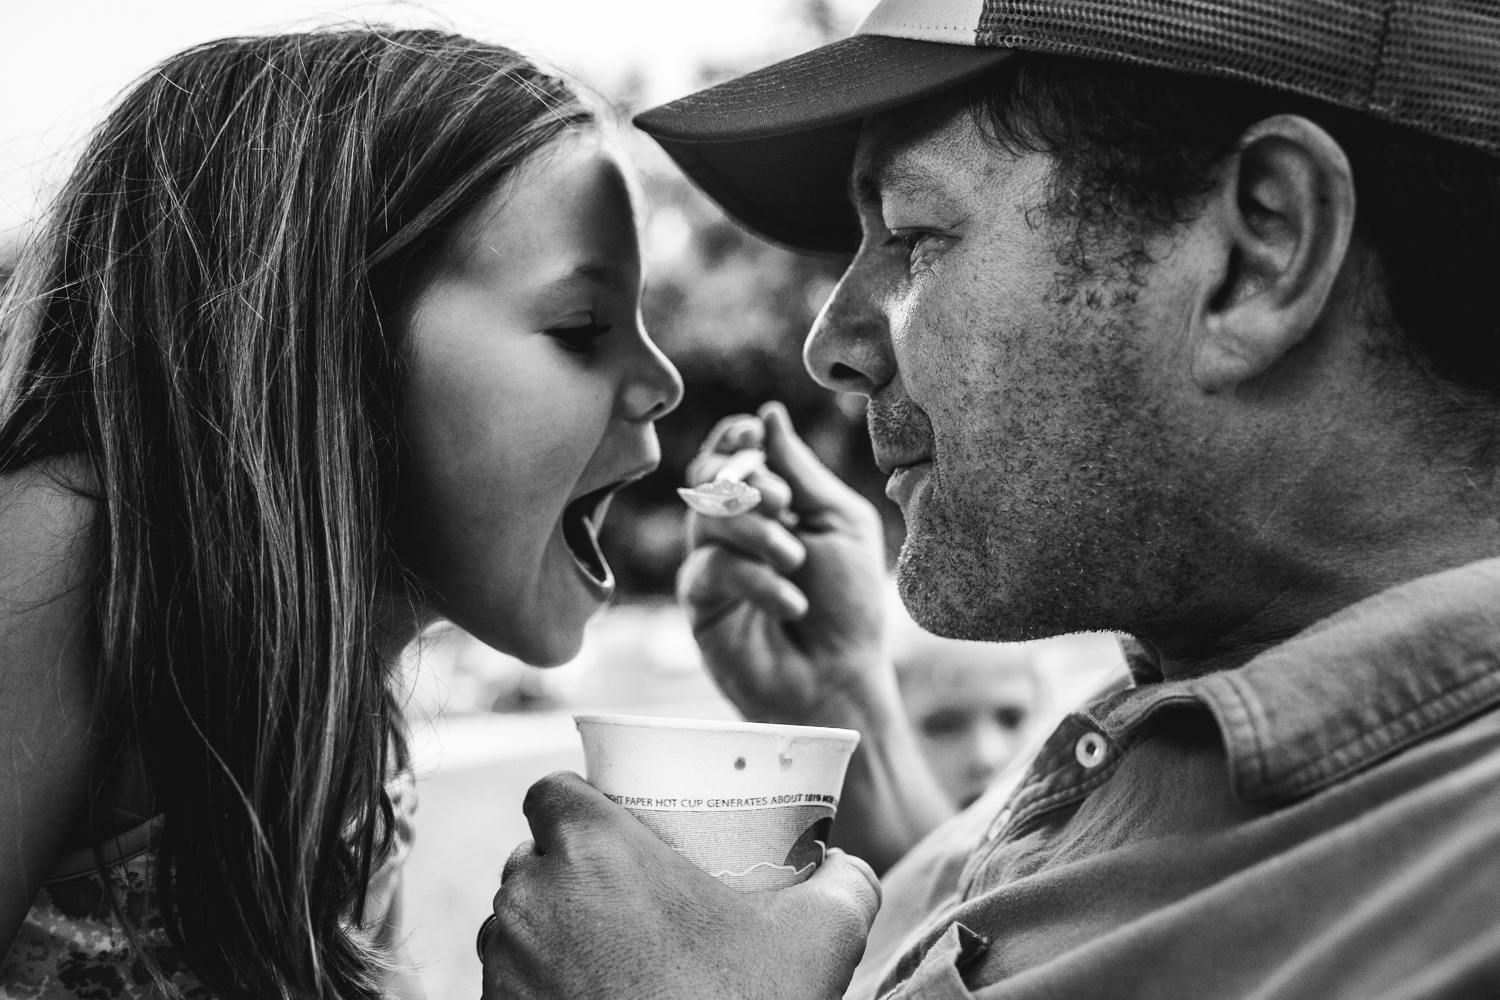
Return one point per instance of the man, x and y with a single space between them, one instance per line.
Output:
1175 318
974 705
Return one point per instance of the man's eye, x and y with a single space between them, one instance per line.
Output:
916 247
579 338
906 243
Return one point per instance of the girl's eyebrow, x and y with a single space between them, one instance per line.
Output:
596 272
594 275
599 274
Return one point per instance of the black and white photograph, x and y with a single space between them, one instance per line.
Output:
750 500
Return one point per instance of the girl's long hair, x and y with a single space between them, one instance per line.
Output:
210 319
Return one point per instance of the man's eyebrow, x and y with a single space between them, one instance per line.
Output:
883 171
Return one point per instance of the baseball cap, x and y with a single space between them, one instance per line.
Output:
774 147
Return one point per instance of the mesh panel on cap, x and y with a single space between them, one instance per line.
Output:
1441 70
1432 64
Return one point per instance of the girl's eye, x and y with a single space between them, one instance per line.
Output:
579 339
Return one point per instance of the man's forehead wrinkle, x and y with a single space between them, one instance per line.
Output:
887 168
911 154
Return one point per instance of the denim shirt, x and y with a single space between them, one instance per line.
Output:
1321 822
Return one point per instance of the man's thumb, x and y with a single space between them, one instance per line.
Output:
814 486
846 882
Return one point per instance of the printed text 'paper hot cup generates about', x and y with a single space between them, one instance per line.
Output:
750 804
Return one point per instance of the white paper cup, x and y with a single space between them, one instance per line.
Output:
750 804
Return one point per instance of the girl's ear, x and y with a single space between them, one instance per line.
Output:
1282 219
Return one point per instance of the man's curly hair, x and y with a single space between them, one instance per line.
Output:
1137 147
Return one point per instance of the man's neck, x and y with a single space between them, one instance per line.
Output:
1313 572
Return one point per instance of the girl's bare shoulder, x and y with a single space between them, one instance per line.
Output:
46 513
46 673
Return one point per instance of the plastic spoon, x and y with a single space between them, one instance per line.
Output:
728 494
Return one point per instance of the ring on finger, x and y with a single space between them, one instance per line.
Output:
479 938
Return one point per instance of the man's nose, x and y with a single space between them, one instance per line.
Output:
849 346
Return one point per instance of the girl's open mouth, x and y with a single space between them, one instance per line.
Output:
581 522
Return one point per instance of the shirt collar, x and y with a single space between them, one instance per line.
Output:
1351 689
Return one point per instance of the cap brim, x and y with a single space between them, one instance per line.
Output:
774 147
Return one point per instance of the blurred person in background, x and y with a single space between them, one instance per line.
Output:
1173 319
328 335
973 705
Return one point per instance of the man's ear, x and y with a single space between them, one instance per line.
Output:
1283 219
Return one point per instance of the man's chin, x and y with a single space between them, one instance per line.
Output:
956 587
946 588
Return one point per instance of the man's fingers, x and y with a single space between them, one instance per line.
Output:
834 909
522 857
869 902
775 494
753 536
843 885
704 467
714 577
814 486
732 434
735 433
563 800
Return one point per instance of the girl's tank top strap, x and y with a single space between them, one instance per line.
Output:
117 850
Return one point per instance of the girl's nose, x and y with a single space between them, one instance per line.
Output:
655 387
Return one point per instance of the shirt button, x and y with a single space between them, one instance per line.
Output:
997 824
1090 750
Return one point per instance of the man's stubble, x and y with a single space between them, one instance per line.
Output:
1064 507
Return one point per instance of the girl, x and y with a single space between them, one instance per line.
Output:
329 334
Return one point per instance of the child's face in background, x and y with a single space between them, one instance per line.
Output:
971 709
973 704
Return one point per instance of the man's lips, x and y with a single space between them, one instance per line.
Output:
889 462
905 480
900 433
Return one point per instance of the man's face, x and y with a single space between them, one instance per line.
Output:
1021 386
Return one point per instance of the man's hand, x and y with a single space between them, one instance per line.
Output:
787 601
598 908
788 605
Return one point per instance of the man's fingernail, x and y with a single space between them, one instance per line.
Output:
795 601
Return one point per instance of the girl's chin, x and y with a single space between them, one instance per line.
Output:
543 644
554 653
546 627
540 620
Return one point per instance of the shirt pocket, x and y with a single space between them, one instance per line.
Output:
939 976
